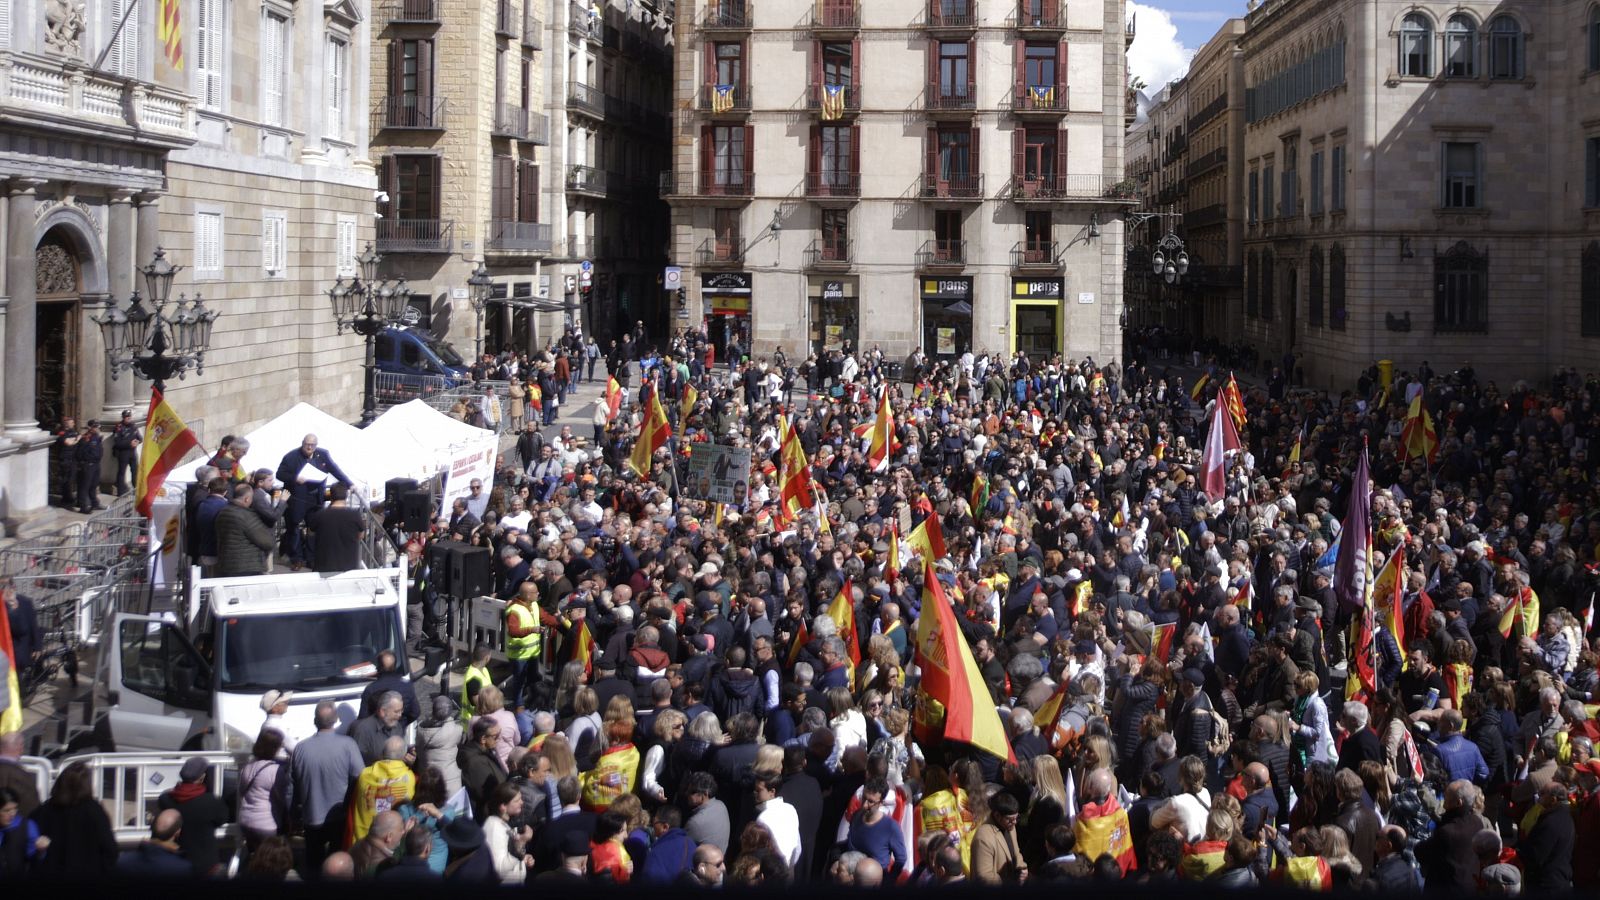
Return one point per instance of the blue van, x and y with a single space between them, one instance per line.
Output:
407 351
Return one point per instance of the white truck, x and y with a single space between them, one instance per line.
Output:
192 679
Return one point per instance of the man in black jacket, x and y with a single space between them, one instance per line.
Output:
125 442
203 813
1546 850
1191 721
305 492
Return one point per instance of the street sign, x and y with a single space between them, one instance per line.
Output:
571 284
586 266
672 278
586 277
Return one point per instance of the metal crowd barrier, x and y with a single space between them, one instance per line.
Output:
128 785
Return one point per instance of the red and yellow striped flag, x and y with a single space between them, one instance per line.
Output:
11 719
1235 401
169 32
955 704
691 396
166 441
654 432
583 647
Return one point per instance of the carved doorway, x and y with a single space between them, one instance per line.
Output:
57 337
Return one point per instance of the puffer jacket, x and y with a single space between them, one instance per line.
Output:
438 746
243 542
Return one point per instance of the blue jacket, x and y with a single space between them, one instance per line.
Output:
669 857
1463 760
152 861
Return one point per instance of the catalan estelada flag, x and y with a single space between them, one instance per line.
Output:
721 98
654 432
1043 96
166 441
832 102
169 32
955 703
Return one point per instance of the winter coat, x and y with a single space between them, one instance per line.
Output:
439 745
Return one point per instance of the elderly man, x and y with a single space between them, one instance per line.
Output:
243 539
323 769
371 732
305 471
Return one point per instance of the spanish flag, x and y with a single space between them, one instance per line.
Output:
1308 873
1457 682
1418 437
980 493
881 451
1386 593
654 433
794 472
1295 451
11 719
802 637
843 613
1199 389
583 646
1161 646
535 397
928 540
954 703
1200 861
166 441
1102 829
691 396
613 398
1525 607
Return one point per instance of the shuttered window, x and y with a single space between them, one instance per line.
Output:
208 244
338 77
274 243
274 44
503 189
210 41
122 56
345 264
527 192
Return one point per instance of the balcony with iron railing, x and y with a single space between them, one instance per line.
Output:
1036 255
720 252
1051 188
1038 101
828 255
510 120
411 12
952 16
1206 162
415 235
942 254
1213 214
586 180
847 101
538 129
586 98
517 237
583 25
409 111
833 184
726 15
957 186
1208 112
532 32
727 183
724 99
835 16
1039 16
950 102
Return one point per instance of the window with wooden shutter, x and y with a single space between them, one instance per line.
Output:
5 26
210 43
122 56
208 244
1061 76
503 189
527 192
274 243
338 78
274 44
345 262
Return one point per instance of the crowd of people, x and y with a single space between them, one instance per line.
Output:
1186 691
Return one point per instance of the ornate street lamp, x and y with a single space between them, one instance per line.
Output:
366 305
479 286
1170 261
149 342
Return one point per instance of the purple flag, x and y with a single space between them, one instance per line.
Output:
1355 539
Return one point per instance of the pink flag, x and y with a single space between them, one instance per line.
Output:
1219 440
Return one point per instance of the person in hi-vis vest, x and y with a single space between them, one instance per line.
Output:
523 642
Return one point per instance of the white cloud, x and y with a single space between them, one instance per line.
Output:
1157 56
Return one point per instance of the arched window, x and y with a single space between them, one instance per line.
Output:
1336 307
1460 48
1589 295
1505 48
1314 295
1416 46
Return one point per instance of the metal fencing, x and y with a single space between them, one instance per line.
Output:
393 389
467 403
129 785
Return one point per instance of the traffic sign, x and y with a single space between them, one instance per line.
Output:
586 266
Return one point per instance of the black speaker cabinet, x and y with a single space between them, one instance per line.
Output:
416 510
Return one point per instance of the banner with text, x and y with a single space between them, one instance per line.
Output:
717 473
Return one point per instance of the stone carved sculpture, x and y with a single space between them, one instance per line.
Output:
63 26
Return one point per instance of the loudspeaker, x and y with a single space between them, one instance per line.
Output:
416 510
392 491
469 571
439 567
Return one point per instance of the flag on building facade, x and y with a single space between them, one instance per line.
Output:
1220 439
1418 437
654 432
169 32
166 441
954 701
832 102
722 98
1042 95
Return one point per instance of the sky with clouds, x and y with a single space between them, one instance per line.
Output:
1169 33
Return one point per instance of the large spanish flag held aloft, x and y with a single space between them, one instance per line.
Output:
166 441
954 702
11 719
881 450
928 539
654 432
1418 437
843 613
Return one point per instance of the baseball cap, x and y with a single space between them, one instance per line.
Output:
273 698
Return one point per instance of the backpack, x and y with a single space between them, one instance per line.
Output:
1221 740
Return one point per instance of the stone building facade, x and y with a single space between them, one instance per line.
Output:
1420 184
943 174
224 147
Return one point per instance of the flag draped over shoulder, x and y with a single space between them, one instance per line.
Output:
1418 437
166 441
953 699
654 432
535 397
1352 568
1220 438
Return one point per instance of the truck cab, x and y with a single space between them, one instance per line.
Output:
192 679
412 352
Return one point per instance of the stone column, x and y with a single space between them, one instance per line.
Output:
148 236
121 279
21 422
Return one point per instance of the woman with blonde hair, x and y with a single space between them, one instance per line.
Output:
558 750
492 705
769 760
668 729
584 730
1047 807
